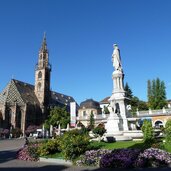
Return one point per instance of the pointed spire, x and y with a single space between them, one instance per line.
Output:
44 45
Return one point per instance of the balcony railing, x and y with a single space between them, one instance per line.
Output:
96 117
154 112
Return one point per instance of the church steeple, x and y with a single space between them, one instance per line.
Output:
43 61
44 45
42 75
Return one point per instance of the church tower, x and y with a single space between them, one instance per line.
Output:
42 77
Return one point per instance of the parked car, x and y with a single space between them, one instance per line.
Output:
38 134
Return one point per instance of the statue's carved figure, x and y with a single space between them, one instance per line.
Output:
116 58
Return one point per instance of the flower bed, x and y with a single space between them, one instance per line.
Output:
28 152
125 158
74 145
119 158
153 157
92 157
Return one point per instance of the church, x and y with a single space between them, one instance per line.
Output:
23 104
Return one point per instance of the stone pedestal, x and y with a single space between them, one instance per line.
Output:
112 125
118 99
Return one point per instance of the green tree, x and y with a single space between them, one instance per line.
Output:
128 91
99 130
148 132
92 121
149 93
106 110
58 116
134 104
47 124
167 132
137 104
163 101
142 105
134 101
156 94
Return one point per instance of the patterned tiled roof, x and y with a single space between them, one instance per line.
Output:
11 94
26 92
21 92
4 94
60 99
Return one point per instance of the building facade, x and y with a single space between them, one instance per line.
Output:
87 108
23 104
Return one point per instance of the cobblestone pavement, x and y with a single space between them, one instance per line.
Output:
8 149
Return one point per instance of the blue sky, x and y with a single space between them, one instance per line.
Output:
80 38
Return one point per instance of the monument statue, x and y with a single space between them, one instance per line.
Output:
117 123
116 58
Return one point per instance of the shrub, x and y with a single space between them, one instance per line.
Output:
167 131
29 152
119 158
99 130
16 132
148 132
92 121
84 130
73 144
6 133
49 147
33 151
153 157
92 157
1 132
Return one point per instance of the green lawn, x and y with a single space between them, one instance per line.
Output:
119 144
167 147
103 145
114 145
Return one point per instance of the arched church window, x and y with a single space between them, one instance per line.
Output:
39 86
9 116
44 56
39 75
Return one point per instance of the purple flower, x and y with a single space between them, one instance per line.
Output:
119 158
153 157
92 157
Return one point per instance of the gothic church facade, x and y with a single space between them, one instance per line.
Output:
23 104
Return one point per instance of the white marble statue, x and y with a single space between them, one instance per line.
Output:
116 58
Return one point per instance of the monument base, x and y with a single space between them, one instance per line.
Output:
114 138
135 134
114 129
112 125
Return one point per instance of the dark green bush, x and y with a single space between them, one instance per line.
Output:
148 132
84 130
33 151
99 130
167 131
73 144
16 132
50 147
